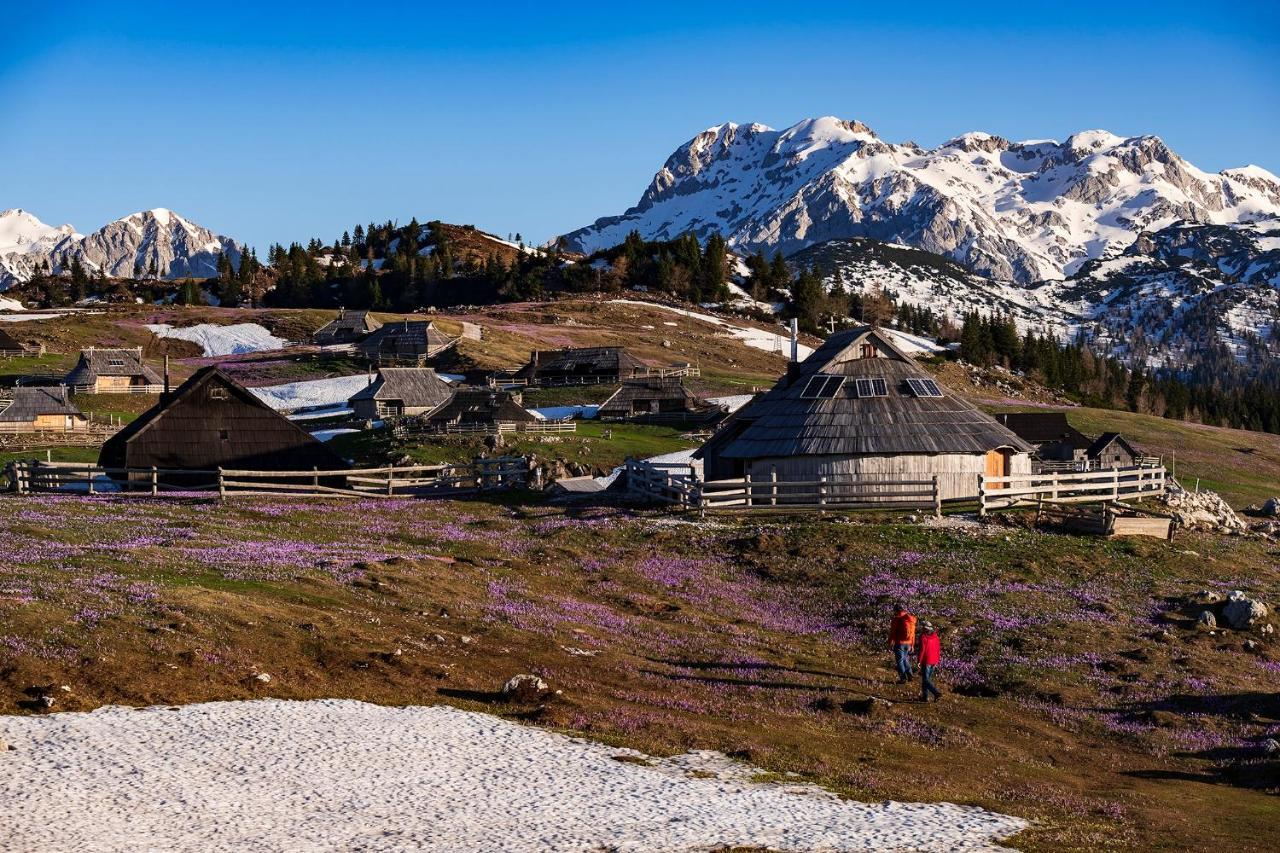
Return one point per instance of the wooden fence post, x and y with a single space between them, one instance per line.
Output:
155 481
937 498
315 478
822 490
222 485
390 476
773 485
88 471
982 496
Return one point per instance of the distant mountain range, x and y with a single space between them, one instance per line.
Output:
177 247
1117 237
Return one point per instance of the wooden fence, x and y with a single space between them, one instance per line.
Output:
1108 485
404 430
481 475
679 485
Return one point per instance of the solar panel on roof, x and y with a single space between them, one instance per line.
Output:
874 386
924 387
821 386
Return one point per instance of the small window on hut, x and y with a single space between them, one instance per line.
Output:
224 434
822 386
873 386
115 362
217 393
867 351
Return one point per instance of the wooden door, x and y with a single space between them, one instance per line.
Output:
997 466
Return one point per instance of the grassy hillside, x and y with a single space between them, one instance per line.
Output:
1080 693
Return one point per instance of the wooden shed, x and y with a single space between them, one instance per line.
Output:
582 366
113 371
401 391
406 342
479 409
860 407
34 409
212 421
347 328
11 346
1110 450
656 395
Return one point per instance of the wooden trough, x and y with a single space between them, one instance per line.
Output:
1110 520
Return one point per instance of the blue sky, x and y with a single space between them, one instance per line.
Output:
279 122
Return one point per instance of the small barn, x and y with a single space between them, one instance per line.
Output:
399 392
407 342
212 421
1055 440
113 371
479 409
30 409
860 407
1111 450
668 395
347 328
583 366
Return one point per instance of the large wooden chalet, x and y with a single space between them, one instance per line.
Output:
583 366
113 371
212 421
659 396
348 327
407 342
859 407
400 392
479 409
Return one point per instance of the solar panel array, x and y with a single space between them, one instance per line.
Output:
875 386
924 387
822 386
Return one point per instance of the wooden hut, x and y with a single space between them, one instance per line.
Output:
1055 440
35 409
583 366
1111 450
860 407
399 392
407 342
478 409
212 421
348 327
113 371
665 395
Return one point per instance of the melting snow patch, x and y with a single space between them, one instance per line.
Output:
311 393
223 340
345 775
749 335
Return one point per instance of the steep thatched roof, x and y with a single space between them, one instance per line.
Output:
668 389
348 325
806 414
406 338
29 402
110 362
1044 428
480 406
415 387
584 361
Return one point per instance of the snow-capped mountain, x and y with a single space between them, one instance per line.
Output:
1012 211
177 247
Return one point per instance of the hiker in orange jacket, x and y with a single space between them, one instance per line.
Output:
929 653
902 638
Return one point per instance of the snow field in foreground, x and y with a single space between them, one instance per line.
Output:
342 775
223 340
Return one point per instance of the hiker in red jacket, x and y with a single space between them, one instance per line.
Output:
929 652
902 637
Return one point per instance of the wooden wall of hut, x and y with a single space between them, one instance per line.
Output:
957 472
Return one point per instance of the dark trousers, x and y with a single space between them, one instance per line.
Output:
902 659
927 686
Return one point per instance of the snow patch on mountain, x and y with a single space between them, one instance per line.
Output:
223 340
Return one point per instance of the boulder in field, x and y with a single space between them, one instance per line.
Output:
1207 619
1242 612
525 688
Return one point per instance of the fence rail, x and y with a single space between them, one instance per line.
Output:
1106 485
404 430
679 485
481 475
125 389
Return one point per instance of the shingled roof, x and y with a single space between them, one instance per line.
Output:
347 326
1044 428
8 343
787 421
408 338
480 406
415 387
584 361
663 389
110 362
29 402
